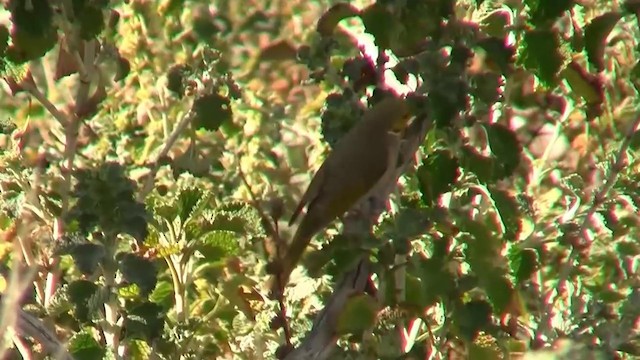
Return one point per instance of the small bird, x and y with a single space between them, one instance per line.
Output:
359 159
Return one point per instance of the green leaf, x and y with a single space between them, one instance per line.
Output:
80 293
587 86
189 201
144 321
4 40
545 12
595 37
177 77
217 245
87 257
540 52
495 24
523 263
358 314
505 147
139 350
473 317
163 294
211 111
439 172
28 46
509 211
238 217
437 279
411 223
483 253
83 346
89 14
498 52
105 200
34 17
380 23
138 270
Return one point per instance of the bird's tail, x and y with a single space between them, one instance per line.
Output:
291 258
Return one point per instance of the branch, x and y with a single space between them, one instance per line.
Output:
168 144
29 325
320 341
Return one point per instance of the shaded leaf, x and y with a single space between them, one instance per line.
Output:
80 293
83 346
330 19
211 111
595 37
138 270
540 52
358 315
217 245
144 321
585 85
509 210
380 23
544 12
437 175
505 147
473 317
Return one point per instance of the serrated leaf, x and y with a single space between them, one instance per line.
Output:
87 257
80 293
523 263
380 23
138 270
358 314
595 37
483 253
105 200
89 15
587 86
541 53
509 212
163 294
139 350
211 111
217 245
144 321
237 217
473 317
411 223
188 201
547 11
83 346
437 175
505 147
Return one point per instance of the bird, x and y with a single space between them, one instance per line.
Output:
357 162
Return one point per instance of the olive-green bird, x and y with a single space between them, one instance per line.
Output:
359 159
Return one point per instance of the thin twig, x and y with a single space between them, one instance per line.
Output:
52 109
168 144
273 231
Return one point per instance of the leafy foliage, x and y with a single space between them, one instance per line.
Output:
152 152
